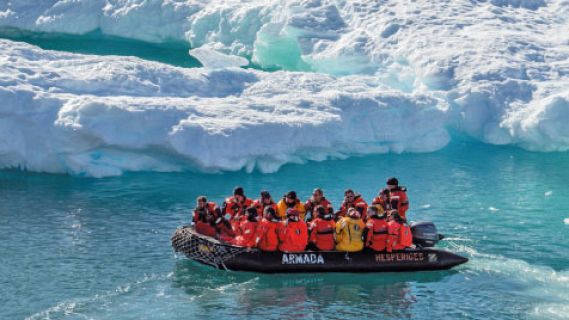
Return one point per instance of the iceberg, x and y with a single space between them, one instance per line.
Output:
354 77
101 116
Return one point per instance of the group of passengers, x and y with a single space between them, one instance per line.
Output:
291 226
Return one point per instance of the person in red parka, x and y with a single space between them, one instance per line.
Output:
376 225
224 231
398 197
262 203
353 200
383 199
399 233
204 217
293 235
234 207
316 200
267 234
247 231
322 230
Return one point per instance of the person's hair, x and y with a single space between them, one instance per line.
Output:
348 191
318 190
269 210
201 199
265 194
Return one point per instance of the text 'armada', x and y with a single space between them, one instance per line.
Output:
302 258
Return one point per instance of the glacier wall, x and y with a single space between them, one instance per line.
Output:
357 77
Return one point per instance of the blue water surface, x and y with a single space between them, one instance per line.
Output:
82 248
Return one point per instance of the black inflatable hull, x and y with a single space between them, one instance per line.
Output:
210 251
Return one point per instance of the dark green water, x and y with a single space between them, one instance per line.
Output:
96 43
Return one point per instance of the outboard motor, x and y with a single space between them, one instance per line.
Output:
425 234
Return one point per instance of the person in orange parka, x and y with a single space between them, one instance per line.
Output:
399 233
262 203
224 231
376 225
234 207
316 200
383 199
204 217
398 197
247 231
267 234
353 200
293 235
322 229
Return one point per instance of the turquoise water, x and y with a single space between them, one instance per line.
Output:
80 248
97 43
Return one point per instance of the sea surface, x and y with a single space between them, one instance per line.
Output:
84 248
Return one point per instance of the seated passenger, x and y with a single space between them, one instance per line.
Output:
399 233
383 199
247 231
267 234
317 199
376 225
352 200
202 207
204 217
322 229
399 200
293 235
290 201
349 232
262 203
224 231
235 207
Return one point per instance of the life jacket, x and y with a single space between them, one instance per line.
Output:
233 207
349 234
293 236
210 207
310 205
400 201
322 234
246 235
377 233
393 229
224 231
260 206
385 205
282 208
405 236
267 235
236 210
358 200
205 228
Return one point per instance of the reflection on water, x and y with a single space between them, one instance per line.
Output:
390 295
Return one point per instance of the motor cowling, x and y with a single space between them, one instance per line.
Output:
425 234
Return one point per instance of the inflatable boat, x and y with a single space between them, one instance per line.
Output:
209 251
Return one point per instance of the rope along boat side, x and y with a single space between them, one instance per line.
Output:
209 251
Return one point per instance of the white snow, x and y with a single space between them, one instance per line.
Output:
361 77
100 116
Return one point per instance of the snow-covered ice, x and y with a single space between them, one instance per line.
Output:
99 116
358 77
